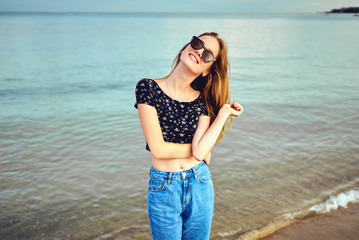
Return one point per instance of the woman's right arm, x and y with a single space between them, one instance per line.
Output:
153 134
206 135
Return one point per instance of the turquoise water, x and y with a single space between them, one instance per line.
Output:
72 155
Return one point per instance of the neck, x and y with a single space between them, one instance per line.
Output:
180 79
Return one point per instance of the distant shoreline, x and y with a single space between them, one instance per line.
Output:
350 10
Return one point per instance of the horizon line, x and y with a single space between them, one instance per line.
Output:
49 11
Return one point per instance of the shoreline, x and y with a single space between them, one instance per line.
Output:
338 224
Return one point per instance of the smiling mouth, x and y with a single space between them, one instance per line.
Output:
194 58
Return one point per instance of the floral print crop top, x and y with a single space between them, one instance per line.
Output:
178 120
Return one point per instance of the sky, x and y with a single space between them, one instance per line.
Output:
175 5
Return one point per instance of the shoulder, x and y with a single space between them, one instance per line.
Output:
144 92
145 84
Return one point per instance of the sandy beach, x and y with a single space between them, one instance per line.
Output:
342 224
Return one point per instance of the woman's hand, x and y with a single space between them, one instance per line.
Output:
234 109
207 158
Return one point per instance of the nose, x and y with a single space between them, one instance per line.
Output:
199 52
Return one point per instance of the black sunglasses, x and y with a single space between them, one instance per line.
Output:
207 55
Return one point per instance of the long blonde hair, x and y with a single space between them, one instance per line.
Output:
215 85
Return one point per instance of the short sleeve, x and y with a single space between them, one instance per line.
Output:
144 93
205 110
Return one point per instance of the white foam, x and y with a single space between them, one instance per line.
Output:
290 216
226 234
334 202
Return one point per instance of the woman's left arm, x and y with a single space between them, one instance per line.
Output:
206 136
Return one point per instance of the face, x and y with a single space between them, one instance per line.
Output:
192 57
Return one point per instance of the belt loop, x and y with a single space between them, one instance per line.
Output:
169 178
194 173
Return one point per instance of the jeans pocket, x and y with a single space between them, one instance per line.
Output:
204 175
156 184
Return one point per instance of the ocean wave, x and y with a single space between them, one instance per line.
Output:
332 203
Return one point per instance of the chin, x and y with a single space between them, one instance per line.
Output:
194 67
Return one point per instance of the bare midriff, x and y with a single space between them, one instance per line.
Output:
174 165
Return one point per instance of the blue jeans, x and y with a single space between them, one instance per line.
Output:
180 204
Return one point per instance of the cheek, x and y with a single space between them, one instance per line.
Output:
196 68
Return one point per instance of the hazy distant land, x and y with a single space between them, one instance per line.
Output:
343 10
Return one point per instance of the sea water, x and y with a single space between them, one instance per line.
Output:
73 162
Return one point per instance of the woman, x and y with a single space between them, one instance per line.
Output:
183 115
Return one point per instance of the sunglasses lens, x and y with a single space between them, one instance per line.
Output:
207 56
196 44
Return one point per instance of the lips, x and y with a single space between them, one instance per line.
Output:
194 58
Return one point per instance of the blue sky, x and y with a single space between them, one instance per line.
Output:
175 5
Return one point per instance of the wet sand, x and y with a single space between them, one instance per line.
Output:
342 224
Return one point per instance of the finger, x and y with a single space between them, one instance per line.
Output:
237 112
238 108
234 104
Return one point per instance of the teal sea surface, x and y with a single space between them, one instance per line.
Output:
73 163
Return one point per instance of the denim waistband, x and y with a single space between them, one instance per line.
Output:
178 175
